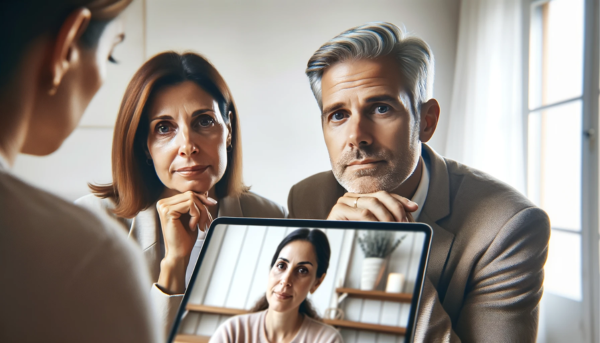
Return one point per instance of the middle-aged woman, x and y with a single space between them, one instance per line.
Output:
284 314
65 275
177 163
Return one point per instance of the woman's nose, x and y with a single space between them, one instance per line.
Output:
187 146
286 280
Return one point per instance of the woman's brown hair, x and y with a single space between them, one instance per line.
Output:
135 184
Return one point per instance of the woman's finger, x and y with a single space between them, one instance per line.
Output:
206 200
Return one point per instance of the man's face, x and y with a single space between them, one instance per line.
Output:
372 138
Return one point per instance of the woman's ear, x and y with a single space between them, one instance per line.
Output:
318 283
229 115
64 52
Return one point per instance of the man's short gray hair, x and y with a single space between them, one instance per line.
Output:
373 40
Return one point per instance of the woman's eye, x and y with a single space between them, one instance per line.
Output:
280 265
303 271
382 109
337 116
162 128
206 121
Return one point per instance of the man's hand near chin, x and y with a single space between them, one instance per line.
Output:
379 206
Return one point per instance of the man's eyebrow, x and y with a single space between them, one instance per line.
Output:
381 98
332 108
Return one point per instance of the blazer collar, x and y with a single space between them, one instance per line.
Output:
437 207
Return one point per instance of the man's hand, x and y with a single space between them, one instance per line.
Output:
380 206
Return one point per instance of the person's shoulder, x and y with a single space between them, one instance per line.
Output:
477 193
318 331
254 205
313 197
317 181
95 204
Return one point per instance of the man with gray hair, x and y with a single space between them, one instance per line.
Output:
485 274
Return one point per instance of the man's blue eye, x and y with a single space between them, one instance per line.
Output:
382 109
338 116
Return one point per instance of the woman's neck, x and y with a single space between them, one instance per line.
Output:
282 327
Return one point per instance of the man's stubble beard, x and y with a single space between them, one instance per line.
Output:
387 176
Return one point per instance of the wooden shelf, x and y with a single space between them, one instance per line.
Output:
191 339
375 295
215 310
346 324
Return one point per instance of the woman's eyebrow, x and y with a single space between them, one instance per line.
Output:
163 116
202 111
305 262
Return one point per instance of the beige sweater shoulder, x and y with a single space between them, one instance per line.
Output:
251 328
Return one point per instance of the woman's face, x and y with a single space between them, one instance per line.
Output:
187 138
292 277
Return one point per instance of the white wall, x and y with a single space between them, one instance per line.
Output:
261 48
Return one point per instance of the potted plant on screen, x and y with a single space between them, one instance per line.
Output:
377 246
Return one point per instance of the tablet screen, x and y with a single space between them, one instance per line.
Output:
366 289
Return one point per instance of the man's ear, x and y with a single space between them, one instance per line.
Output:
64 52
430 114
318 283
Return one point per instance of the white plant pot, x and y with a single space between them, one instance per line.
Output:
372 271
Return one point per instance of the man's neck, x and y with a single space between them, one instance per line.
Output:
408 188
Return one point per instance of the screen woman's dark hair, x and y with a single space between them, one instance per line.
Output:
320 243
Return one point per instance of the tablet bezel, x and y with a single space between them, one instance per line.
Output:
321 224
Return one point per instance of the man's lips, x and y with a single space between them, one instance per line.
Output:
365 163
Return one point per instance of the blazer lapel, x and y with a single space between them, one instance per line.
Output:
437 207
146 230
230 207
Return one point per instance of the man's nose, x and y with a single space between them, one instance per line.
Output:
187 146
359 131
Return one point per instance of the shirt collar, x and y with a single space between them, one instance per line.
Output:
421 192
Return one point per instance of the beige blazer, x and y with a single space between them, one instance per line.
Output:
145 229
485 273
65 275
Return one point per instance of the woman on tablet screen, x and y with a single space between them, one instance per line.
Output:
298 267
176 148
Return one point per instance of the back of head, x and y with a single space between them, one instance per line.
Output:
24 21
373 40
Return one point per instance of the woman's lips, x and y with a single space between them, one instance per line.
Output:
282 296
191 171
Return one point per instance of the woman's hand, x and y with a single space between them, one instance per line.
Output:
180 217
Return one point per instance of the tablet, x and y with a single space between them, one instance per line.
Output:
370 291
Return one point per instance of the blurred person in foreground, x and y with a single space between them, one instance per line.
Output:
485 273
177 164
65 275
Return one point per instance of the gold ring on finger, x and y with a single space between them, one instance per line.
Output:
356 202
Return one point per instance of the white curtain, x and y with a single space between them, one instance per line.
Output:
486 120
